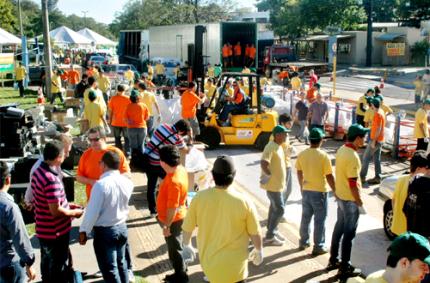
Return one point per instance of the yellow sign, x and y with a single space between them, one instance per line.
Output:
395 49
6 62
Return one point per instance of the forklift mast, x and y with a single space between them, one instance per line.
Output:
198 67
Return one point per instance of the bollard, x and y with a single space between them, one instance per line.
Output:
353 113
291 102
396 143
336 119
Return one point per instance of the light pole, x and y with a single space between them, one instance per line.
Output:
85 17
369 33
47 47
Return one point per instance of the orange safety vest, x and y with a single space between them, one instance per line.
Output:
237 50
230 50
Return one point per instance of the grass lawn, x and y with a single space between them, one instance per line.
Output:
10 95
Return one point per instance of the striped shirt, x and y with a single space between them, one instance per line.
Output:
48 188
163 135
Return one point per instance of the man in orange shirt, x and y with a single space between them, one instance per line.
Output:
225 55
189 101
73 77
247 53
238 54
136 115
238 102
373 149
230 54
117 107
312 92
252 53
172 209
89 170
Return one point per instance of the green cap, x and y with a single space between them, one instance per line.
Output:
427 101
370 90
411 245
279 130
376 102
357 130
380 97
317 85
92 95
316 134
134 92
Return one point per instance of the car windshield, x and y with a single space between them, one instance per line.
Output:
97 58
123 68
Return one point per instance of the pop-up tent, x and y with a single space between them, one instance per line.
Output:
7 38
98 39
64 35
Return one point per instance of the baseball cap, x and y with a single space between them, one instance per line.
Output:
92 95
134 92
370 90
412 246
357 130
427 101
224 165
316 134
279 130
376 102
317 85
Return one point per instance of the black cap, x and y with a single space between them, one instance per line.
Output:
224 165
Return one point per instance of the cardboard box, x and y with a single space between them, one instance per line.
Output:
58 116
84 125
70 93
72 102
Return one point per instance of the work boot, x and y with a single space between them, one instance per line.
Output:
332 265
347 272
374 181
319 251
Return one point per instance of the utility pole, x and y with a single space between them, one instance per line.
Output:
24 50
47 47
85 17
369 33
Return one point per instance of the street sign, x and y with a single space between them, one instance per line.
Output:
332 43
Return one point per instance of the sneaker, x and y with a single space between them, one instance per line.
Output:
348 271
319 251
274 241
131 277
303 247
279 236
332 265
176 278
98 274
374 181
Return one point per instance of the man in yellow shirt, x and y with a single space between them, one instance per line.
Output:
368 116
408 261
314 171
223 245
296 82
159 72
56 86
20 73
150 71
421 131
150 101
129 75
211 71
273 175
348 186
94 112
93 86
362 106
418 166
210 91
286 121
104 85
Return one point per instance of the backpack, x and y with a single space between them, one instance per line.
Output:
417 206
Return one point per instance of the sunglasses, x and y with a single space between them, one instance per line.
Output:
94 139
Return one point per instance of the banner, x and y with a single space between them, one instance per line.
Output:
7 63
395 49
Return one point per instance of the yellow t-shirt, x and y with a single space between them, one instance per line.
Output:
55 84
368 116
387 109
296 83
274 154
287 147
315 165
225 219
20 73
245 89
159 69
376 277
348 165
361 100
420 118
94 113
103 83
399 225
129 75
149 99
99 99
211 72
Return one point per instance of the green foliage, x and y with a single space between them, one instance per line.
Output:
8 20
412 12
419 51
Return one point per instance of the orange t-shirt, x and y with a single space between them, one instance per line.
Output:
189 102
136 115
173 194
118 105
89 164
230 50
247 51
237 50
252 52
73 77
64 76
238 96
378 121
225 51
310 95
284 74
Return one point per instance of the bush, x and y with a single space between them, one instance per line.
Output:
419 52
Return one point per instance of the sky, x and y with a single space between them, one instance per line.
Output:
104 10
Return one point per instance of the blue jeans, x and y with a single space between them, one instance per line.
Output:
117 133
150 126
345 228
109 247
136 137
301 133
276 212
54 256
368 155
13 273
289 185
223 116
313 204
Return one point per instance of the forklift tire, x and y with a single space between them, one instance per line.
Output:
262 140
211 137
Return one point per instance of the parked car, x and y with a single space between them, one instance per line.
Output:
114 70
97 60
386 189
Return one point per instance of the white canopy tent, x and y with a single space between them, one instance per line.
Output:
65 36
7 38
98 39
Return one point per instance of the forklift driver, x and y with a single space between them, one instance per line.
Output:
237 103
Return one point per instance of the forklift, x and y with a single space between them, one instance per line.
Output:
251 126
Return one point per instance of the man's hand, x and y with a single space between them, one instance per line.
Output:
31 274
426 140
189 253
75 206
166 231
256 256
359 202
83 238
78 212
373 144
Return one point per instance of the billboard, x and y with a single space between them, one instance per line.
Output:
395 49
7 62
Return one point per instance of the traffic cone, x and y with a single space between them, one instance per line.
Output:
382 83
40 97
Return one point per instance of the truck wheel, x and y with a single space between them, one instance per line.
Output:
388 219
211 137
262 140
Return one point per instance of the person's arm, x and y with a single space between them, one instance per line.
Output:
256 241
186 237
58 211
326 115
110 116
265 167
169 219
85 180
331 182
93 209
361 106
377 133
354 190
425 132
300 178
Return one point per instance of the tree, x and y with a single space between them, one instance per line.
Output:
8 20
412 12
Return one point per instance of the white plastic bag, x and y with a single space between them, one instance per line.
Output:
195 161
